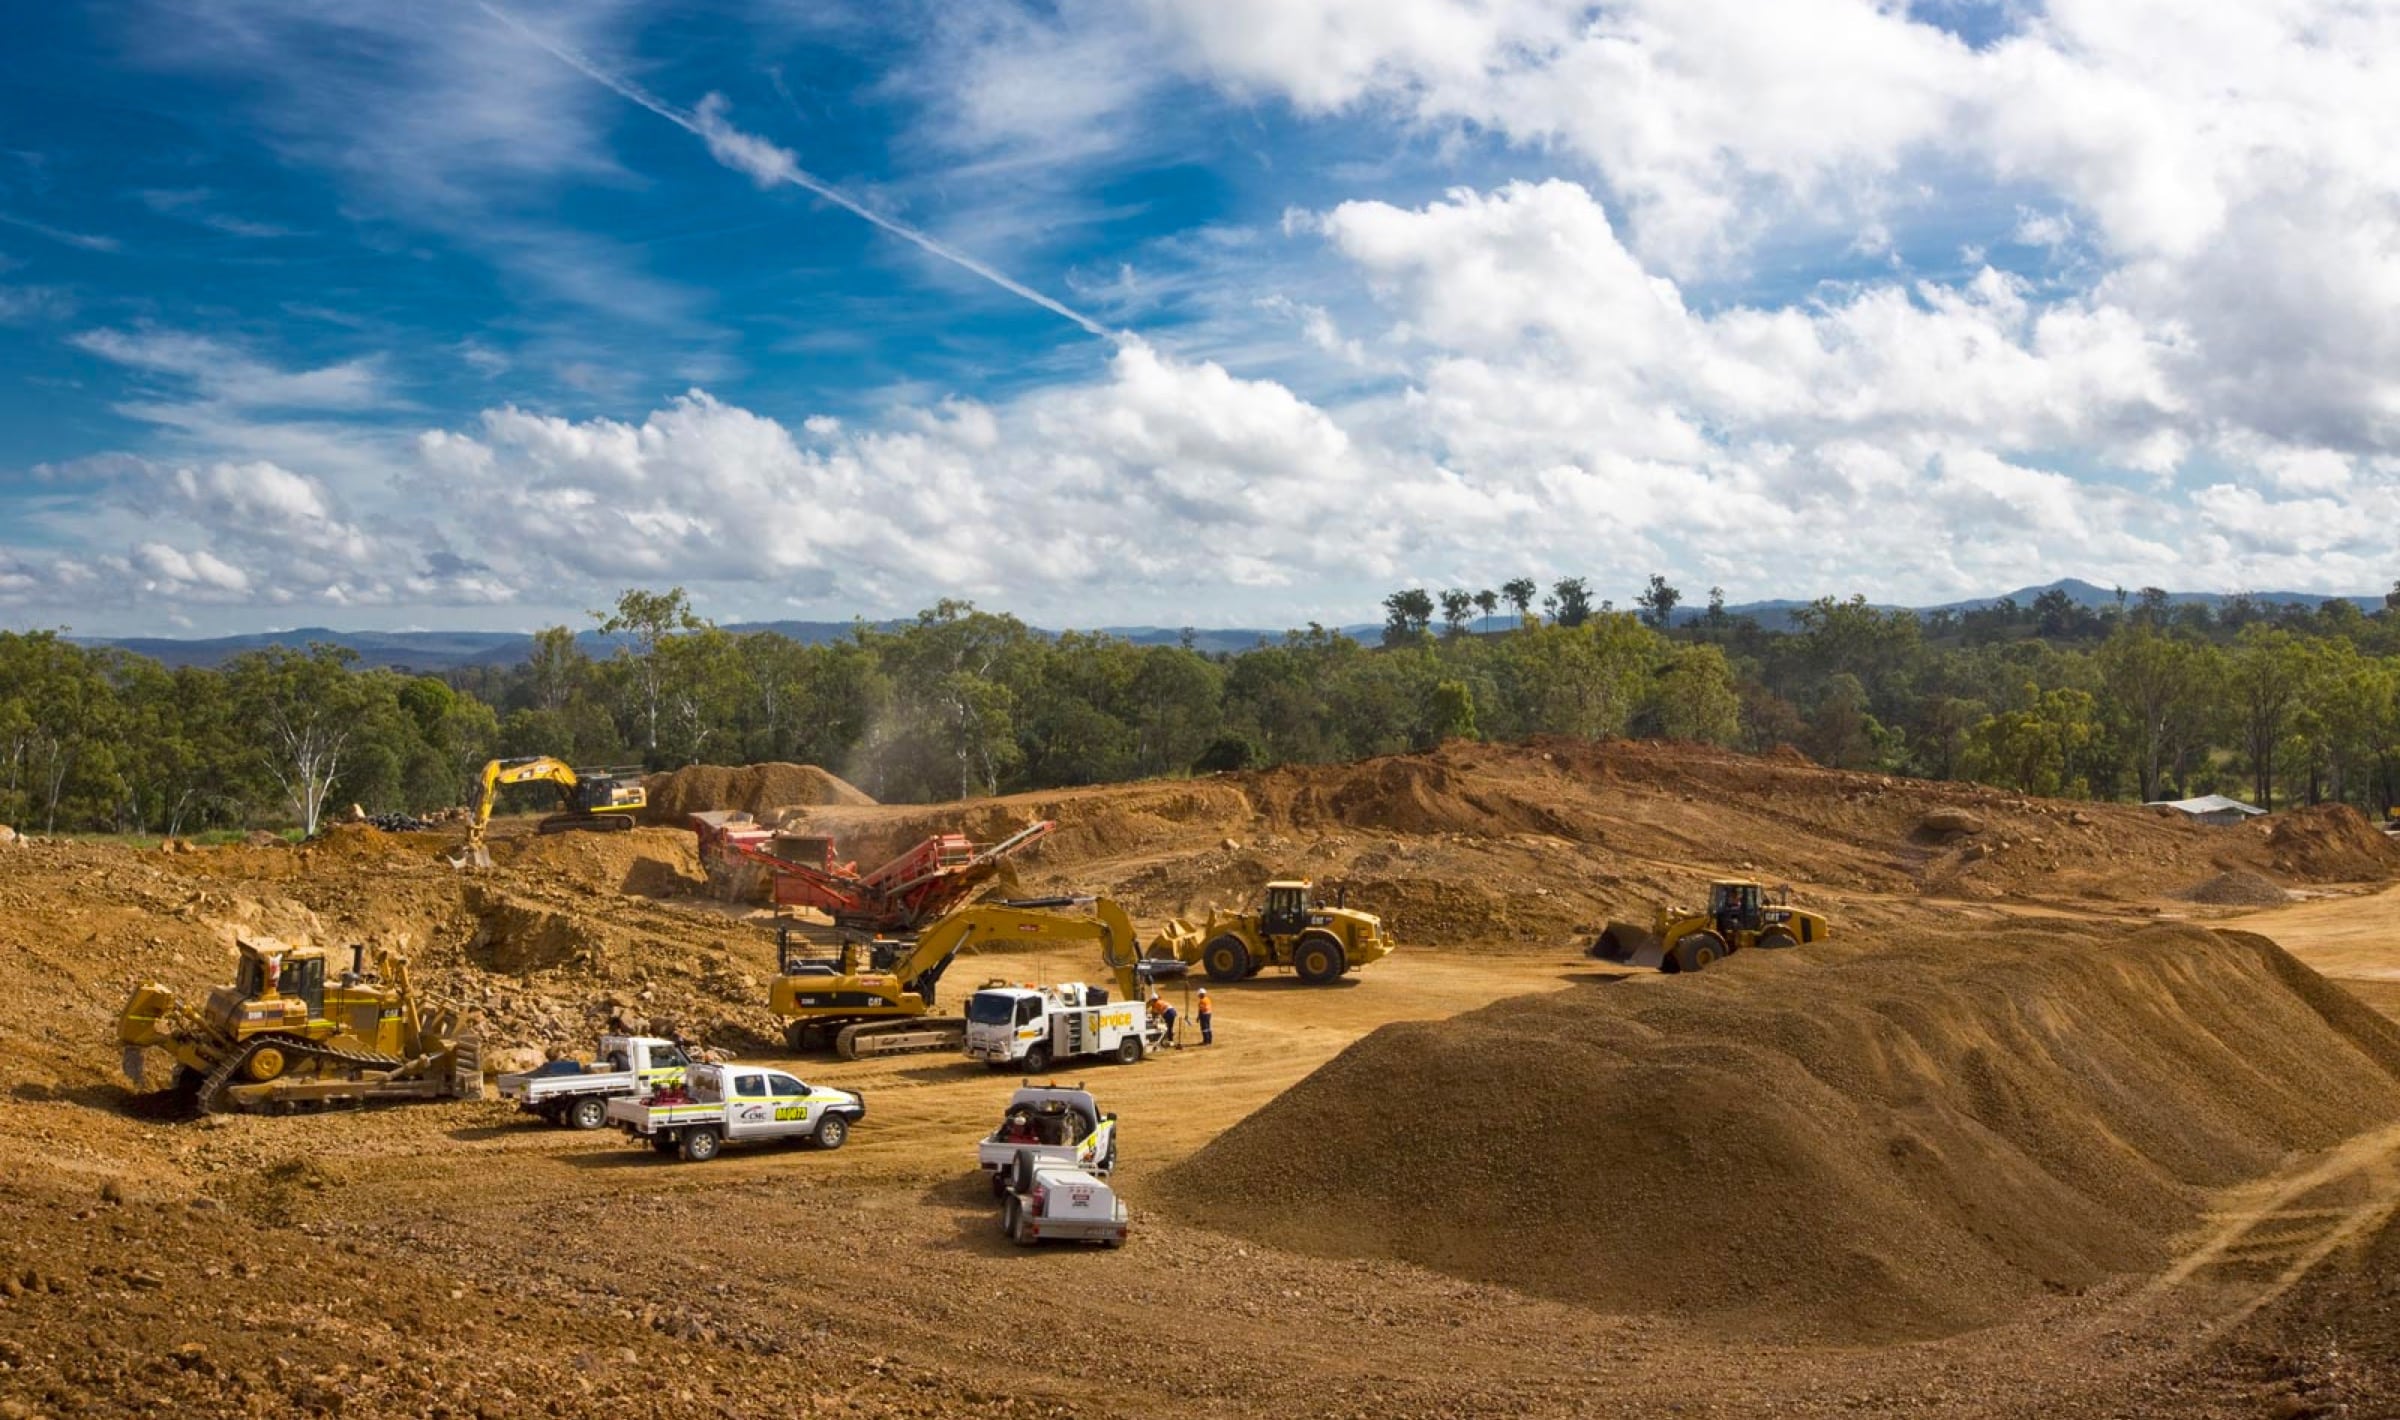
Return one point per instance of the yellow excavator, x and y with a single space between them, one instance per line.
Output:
878 998
589 799
282 1037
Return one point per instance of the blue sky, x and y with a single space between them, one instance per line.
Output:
469 315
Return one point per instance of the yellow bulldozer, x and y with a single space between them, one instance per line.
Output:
282 1037
1741 914
1319 943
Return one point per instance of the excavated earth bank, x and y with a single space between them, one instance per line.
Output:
1867 1144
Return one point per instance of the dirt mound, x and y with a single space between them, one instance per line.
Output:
1412 794
653 862
1848 1143
2239 888
754 789
2331 843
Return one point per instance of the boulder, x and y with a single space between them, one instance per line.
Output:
1955 822
512 1060
8 836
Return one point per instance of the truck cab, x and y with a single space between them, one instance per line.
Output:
574 1093
720 1104
1032 1027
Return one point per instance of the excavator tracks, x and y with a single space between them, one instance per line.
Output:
872 1038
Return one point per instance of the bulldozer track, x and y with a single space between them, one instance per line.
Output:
295 1049
2271 1235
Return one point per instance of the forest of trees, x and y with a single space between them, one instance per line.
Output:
2145 699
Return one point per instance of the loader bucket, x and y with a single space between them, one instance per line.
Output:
1627 943
1178 940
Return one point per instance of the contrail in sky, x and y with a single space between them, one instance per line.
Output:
765 161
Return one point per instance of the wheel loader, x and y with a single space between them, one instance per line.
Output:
1741 914
1319 943
282 1037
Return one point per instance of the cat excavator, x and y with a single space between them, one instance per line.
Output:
282 1037
878 998
589 799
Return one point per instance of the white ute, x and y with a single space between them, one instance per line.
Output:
718 1104
1033 1027
1054 1202
574 1094
1056 1126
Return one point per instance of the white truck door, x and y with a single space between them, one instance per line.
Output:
749 1105
793 1113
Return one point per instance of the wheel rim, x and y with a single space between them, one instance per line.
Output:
265 1064
832 1132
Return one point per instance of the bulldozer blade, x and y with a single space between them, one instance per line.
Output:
1629 944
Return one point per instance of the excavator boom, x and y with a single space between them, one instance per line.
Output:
589 799
864 1007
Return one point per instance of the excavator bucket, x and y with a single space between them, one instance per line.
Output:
1629 944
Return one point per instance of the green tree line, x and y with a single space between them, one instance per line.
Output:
2145 698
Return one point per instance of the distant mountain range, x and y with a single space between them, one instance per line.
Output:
1777 615
434 651
431 652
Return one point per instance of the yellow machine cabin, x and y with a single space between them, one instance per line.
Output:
1741 914
1291 928
283 1035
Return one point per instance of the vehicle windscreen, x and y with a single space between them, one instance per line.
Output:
990 1008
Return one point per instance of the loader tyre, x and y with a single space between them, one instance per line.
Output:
1698 952
587 1113
1129 1050
701 1143
1227 958
1776 937
1318 958
1037 1058
833 1132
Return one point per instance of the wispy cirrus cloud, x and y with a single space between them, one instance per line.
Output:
84 241
200 206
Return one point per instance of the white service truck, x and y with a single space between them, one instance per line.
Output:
721 1104
1054 1125
574 1094
1056 1202
1031 1028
